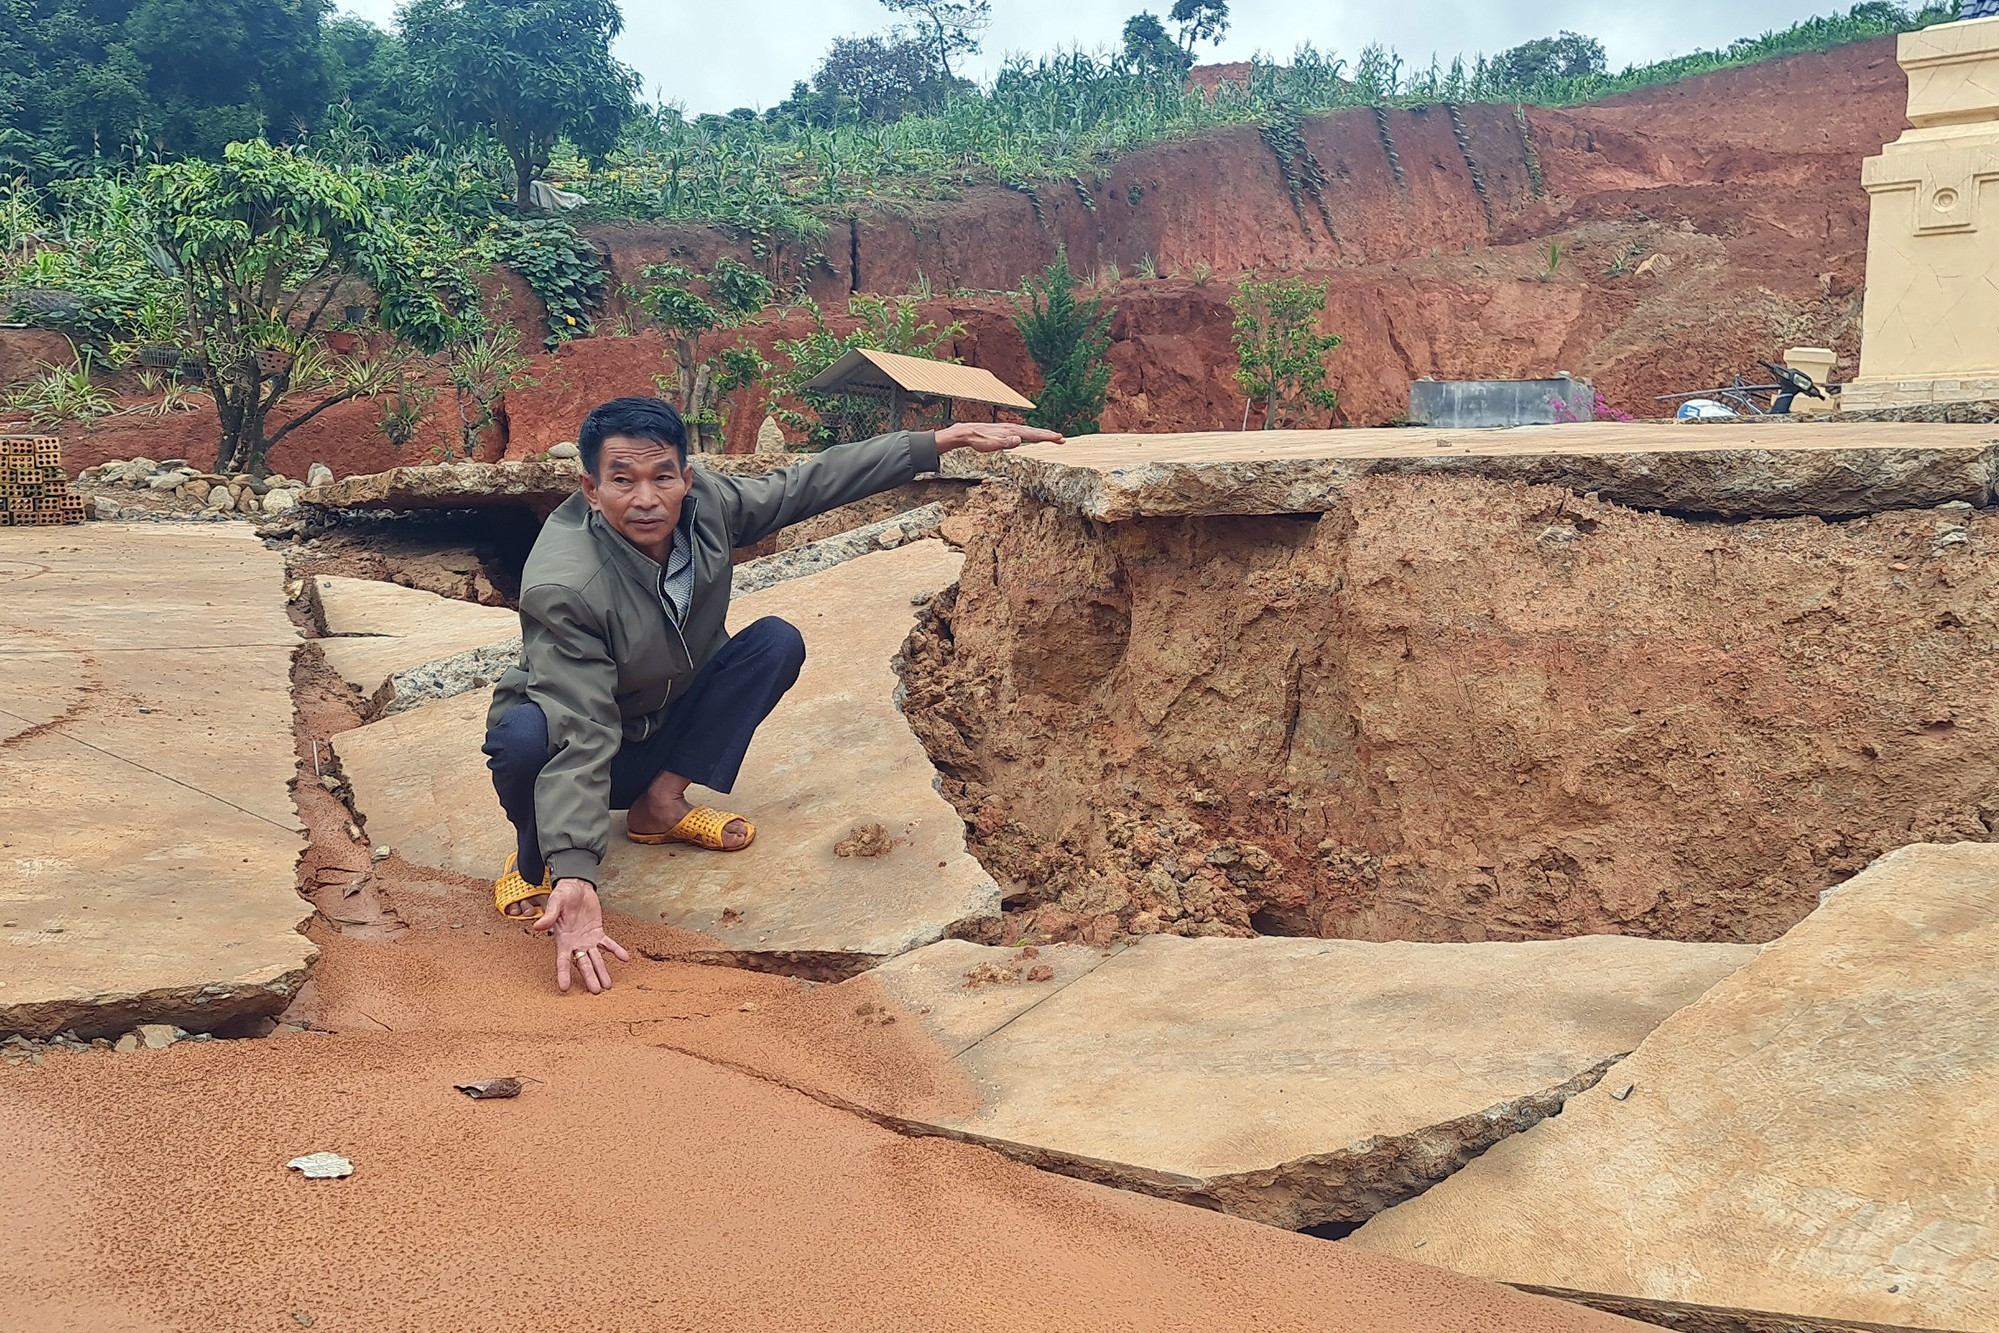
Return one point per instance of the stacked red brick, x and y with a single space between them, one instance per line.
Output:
34 489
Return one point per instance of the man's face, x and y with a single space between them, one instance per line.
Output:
638 489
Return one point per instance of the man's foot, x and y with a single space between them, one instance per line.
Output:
514 896
653 818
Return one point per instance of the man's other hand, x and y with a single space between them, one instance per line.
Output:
577 922
992 437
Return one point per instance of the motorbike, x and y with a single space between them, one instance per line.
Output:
1740 398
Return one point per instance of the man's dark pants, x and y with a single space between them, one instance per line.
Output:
706 733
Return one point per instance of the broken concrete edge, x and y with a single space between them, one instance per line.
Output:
199 1008
804 964
1347 1186
445 678
469 485
539 484
1717 483
479 668
1710 1318
822 965
1374 1175
815 557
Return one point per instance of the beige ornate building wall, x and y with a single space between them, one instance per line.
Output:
1930 330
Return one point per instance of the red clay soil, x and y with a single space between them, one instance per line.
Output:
1736 193
630 1186
679 1159
1457 710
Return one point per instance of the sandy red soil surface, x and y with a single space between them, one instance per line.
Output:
632 1185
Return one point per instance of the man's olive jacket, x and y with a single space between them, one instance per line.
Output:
599 649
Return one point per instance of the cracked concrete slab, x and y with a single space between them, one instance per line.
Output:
1291 1081
487 658
1813 1140
146 822
374 630
836 756
1752 468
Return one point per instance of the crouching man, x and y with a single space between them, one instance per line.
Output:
629 687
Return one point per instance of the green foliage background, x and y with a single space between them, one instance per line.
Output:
1070 341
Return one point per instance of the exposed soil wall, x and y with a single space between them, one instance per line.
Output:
1700 226
1457 710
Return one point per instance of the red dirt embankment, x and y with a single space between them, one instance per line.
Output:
1458 710
1744 184
1701 225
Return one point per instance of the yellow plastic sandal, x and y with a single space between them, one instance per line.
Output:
701 826
510 888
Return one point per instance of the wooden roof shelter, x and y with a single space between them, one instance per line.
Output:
907 380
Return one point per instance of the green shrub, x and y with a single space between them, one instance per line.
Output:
1068 340
1280 353
558 265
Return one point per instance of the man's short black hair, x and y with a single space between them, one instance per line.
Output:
635 419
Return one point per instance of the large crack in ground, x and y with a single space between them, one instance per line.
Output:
1325 1194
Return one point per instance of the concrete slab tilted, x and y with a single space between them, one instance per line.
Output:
1754 468
834 757
1817 1137
146 825
1290 1081
376 629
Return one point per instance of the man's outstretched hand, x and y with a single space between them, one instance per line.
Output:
577 921
991 437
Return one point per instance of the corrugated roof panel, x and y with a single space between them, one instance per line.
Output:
914 374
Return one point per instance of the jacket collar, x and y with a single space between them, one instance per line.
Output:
619 547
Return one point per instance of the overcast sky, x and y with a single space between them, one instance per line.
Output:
714 56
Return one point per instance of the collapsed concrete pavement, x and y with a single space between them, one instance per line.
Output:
1451 705
145 759
1751 467
857 857
1165 705
1812 1139
1298 1083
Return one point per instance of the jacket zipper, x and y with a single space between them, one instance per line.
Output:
665 606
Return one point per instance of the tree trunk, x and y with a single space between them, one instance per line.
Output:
523 161
699 401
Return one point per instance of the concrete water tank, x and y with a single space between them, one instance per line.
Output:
1463 403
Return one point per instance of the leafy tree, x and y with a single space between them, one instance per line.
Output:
881 79
1068 340
532 71
87 78
1569 55
886 325
483 366
1200 21
264 243
368 74
948 27
1147 46
221 70
733 294
1280 354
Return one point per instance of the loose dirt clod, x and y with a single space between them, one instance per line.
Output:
868 840
992 974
